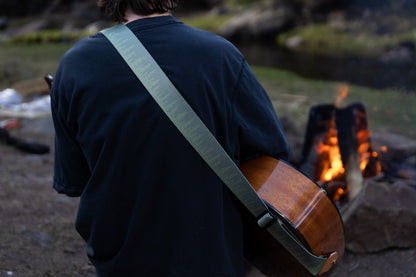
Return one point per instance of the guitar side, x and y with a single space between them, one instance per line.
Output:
304 208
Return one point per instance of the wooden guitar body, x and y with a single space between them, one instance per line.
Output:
305 209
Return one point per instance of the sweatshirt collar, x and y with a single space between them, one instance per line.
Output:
152 22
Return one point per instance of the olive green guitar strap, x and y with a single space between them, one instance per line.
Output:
194 130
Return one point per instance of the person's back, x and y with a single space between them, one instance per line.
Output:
149 205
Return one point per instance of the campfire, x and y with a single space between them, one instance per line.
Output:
337 151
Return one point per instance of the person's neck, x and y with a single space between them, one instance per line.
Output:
131 16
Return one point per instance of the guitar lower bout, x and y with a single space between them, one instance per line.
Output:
303 207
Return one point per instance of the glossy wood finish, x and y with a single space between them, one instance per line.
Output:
300 201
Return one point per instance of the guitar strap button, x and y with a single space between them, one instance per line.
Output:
266 220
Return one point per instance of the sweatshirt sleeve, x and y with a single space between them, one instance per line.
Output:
71 172
258 129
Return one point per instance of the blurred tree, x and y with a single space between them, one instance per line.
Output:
22 7
32 7
242 2
318 8
399 7
29 7
188 5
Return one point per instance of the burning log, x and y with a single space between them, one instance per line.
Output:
337 149
348 121
320 117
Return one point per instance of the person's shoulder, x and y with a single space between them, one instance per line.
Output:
210 38
89 46
214 44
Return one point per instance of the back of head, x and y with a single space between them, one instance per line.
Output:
116 9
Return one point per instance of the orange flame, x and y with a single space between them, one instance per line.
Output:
342 93
364 148
332 166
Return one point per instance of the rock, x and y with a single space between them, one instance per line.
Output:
397 145
259 24
3 22
294 42
397 153
407 168
10 97
382 216
403 54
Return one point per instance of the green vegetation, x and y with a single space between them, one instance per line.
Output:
24 62
240 3
47 36
387 110
326 38
208 22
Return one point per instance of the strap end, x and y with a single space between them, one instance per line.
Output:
330 261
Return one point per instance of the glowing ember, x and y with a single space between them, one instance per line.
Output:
363 148
340 192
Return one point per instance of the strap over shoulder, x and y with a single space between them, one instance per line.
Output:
194 130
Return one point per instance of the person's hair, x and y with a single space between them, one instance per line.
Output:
116 9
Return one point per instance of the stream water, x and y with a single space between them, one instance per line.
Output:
355 70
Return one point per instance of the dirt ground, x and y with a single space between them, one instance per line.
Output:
37 235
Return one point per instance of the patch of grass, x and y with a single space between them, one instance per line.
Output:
324 38
387 110
240 3
208 22
24 62
47 36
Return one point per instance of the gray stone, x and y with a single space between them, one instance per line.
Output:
259 24
382 216
402 54
294 42
3 22
399 157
